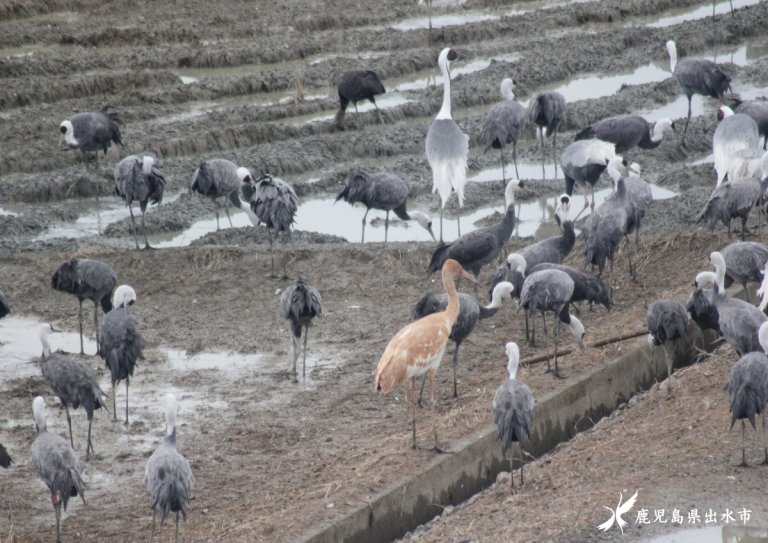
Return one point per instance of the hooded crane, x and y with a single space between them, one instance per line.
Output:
470 313
697 76
667 321
504 124
758 111
168 477
383 191
355 86
513 411
56 464
734 133
72 381
747 387
701 303
418 348
5 307
479 247
745 163
551 290
218 177
603 233
637 200
734 199
121 343
138 178
299 305
547 109
739 321
586 287
744 263
88 280
5 458
447 147
583 162
275 202
628 131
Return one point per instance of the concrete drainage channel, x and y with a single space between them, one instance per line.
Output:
454 478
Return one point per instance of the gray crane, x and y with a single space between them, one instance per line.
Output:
744 263
479 247
730 200
758 111
551 290
637 200
72 381
138 177
583 162
745 163
603 233
513 411
5 458
667 321
275 202
470 313
56 464
586 287
739 321
504 124
5 307
546 109
383 191
447 147
168 477
355 86
735 132
701 303
121 343
697 76
220 178
628 131
88 280
300 303
747 387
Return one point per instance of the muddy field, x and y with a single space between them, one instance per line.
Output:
253 82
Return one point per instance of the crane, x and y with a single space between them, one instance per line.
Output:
667 321
735 132
546 109
299 305
138 178
504 124
628 131
355 86
583 162
218 178
275 202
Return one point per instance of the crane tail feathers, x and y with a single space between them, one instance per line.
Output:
447 175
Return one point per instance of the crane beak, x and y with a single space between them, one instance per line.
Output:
61 138
581 344
469 277
431 233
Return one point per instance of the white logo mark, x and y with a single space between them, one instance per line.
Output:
616 515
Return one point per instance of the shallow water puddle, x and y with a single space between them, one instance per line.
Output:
688 14
386 101
452 19
426 78
714 534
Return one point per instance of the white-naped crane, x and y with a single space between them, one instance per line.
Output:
355 86
138 178
513 411
275 203
667 322
168 477
121 343
385 191
504 124
87 280
747 388
735 132
628 131
56 464
547 109
758 110
447 147
583 162
479 247
217 178
300 303
697 76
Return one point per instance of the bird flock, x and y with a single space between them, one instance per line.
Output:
535 275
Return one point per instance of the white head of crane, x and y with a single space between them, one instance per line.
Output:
672 50
513 353
507 86
124 296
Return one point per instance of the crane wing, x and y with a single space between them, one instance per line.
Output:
626 506
605 526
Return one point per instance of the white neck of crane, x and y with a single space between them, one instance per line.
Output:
672 57
445 111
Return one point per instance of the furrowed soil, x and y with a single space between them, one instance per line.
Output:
275 458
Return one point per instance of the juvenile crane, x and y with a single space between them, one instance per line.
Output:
734 133
546 109
220 178
121 343
504 124
513 411
447 147
470 313
275 202
747 387
138 177
628 131
355 86
583 162
744 263
88 280
667 321
72 381
696 76
299 305
418 348
383 191
479 247
56 464
5 458
168 477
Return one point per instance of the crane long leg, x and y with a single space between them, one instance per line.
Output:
527 335
226 210
441 222
668 360
557 336
144 227
765 442
357 117
89 447
177 527
271 254
522 462
688 120
511 469
429 15
96 321
743 446
306 335
362 240
432 400
126 401
554 151
114 402
133 222
713 10
455 363
421 394
458 215
503 176
216 209
57 512
69 423
413 406
514 158
546 341
285 273
152 532
386 227
746 292
80 317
